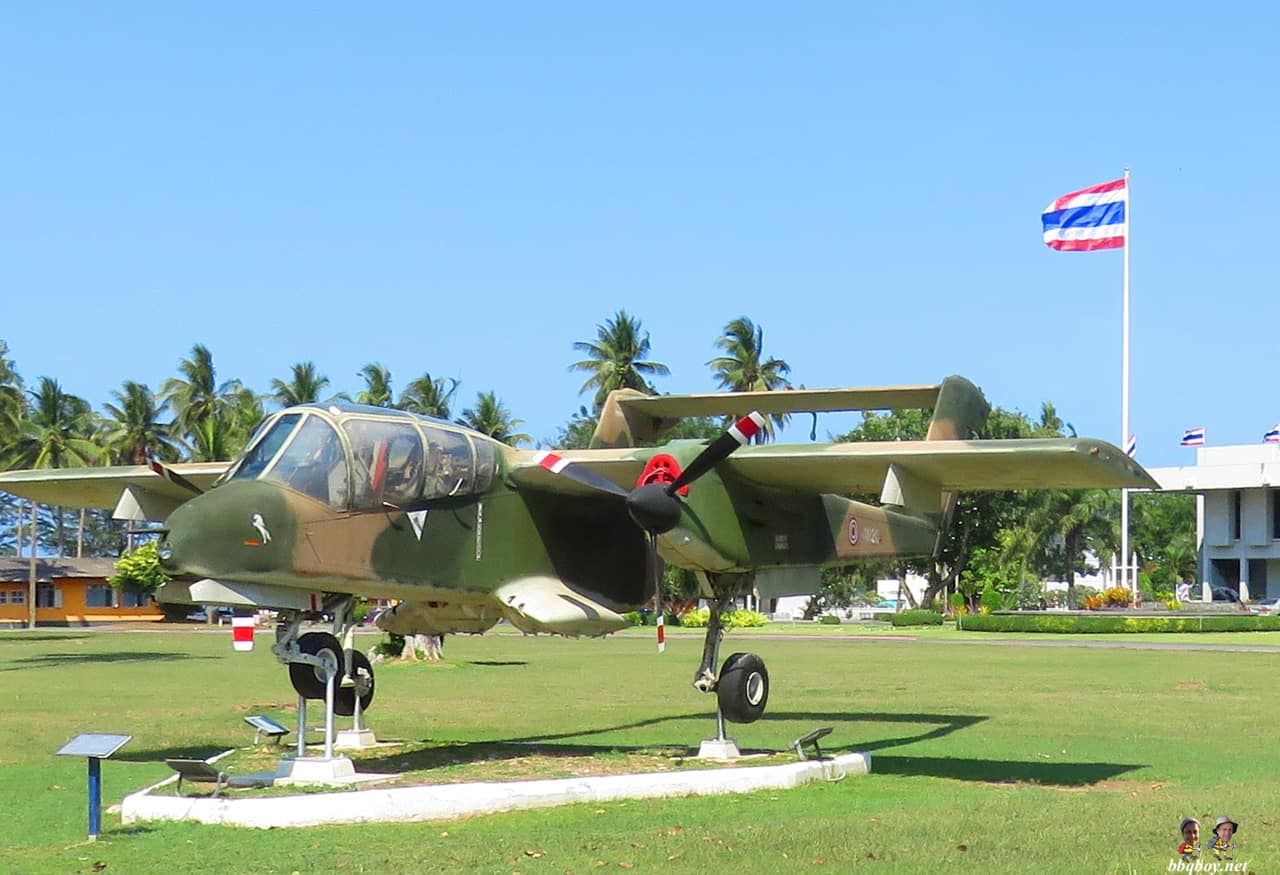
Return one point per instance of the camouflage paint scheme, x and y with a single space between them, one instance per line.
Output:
549 554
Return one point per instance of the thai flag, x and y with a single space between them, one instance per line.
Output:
1131 446
1273 436
1088 219
1193 437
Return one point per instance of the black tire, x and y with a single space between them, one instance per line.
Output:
308 680
743 688
344 698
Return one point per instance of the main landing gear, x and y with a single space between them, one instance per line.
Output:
742 689
328 669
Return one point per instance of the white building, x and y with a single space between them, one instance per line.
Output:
1237 515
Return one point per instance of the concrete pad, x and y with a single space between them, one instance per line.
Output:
724 750
449 801
354 739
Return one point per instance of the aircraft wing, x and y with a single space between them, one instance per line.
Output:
989 465
103 487
527 472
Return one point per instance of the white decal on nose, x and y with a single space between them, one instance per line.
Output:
261 526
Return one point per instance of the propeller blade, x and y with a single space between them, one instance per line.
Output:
173 476
579 474
738 435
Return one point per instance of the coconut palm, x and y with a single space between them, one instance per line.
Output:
303 387
743 367
616 359
377 381
55 433
428 396
12 399
1065 524
490 416
212 441
241 418
196 396
133 430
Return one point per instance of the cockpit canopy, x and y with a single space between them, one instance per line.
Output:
364 458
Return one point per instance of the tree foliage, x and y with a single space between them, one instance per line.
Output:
139 570
616 359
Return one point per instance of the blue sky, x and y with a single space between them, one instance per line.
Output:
469 189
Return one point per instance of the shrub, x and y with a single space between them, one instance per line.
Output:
634 618
1118 596
1078 623
696 619
916 618
1093 602
829 620
990 600
1173 604
730 619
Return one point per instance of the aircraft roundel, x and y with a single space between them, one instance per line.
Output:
661 468
853 530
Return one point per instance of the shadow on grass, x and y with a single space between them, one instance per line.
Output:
495 663
160 754
1000 771
572 744
46 660
943 724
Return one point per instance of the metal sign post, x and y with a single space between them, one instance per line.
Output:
97 748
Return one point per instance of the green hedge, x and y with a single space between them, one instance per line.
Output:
738 619
916 618
1068 623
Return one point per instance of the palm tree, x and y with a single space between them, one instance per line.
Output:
304 386
616 359
12 400
1079 520
428 396
377 390
743 367
490 416
212 441
199 397
242 416
134 431
54 434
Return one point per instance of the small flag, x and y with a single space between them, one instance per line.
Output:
662 632
1088 219
1273 436
1193 437
242 633
1131 446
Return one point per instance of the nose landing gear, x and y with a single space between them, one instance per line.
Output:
742 688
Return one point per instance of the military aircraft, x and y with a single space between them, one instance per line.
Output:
334 501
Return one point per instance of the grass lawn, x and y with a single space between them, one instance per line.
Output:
985 758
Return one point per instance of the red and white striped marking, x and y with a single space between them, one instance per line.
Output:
747 428
553 463
662 633
242 633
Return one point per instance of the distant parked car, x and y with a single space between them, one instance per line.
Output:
1265 606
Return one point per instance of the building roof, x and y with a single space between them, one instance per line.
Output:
16 570
1247 466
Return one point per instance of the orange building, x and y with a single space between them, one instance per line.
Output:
69 592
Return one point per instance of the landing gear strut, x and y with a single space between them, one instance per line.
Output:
742 688
323 667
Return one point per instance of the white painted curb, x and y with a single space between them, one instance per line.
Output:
448 801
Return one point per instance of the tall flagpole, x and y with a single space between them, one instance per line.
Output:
1131 584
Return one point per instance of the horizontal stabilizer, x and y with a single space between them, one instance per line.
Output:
782 401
